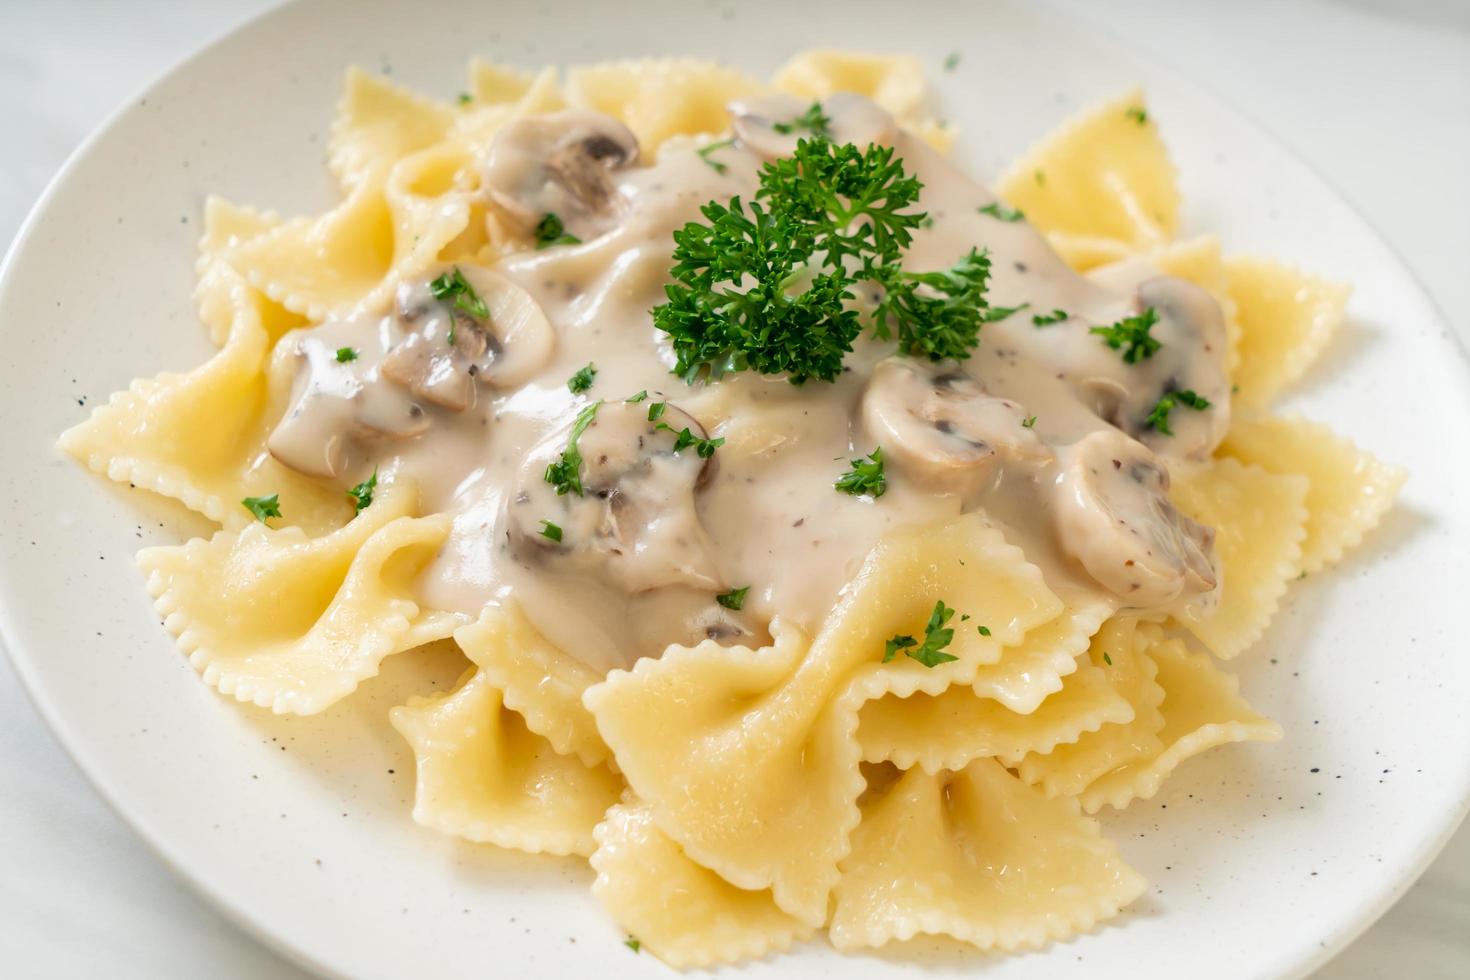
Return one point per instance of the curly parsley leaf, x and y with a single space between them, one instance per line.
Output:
453 288
263 507
814 121
550 231
734 599
683 439
866 476
345 354
565 472
937 636
765 285
362 494
583 379
1131 336
1047 319
1158 416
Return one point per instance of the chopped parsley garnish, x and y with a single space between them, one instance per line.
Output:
656 411
641 396
984 630
1047 319
345 354
632 943
766 286
1138 114
565 473
550 531
362 494
734 599
1029 422
1158 418
1107 659
582 380
550 231
453 288
996 313
937 636
814 121
465 98
1040 176
1000 212
263 507
866 476
1131 336
951 61
705 151
683 439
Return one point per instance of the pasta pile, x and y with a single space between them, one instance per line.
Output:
733 801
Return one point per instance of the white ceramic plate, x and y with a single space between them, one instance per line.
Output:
1265 859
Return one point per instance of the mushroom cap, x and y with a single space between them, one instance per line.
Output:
941 428
853 119
560 163
1113 515
636 520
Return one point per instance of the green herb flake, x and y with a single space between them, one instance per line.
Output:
1138 114
1047 319
1000 212
362 494
656 411
550 531
1131 336
453 288
345 354
582 380
565 472
464 98
952 61
734 599
983 630
705 151
1107 659
1029 422
1040 177
632 943
1158 416
683 439
937 636
997 313
814 121
865 477
263 507
766 286
641 396
550 231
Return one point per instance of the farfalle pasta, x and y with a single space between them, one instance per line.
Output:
830 542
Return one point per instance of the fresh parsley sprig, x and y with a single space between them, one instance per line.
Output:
865 477
1131 336
362 494
263 507
583 379
565 472
550 231
937 636
734 599
1158 416
764 285
453 288
814 121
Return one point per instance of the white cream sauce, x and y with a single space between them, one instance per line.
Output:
657 534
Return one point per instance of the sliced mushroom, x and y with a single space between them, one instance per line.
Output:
334 407
1113 515
941 427
851 119
635 520
560 163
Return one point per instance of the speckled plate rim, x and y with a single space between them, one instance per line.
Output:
1313 951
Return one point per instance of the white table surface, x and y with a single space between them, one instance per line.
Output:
1374 94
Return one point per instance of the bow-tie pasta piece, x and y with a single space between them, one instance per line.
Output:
1260 521
1349 490
747 757
499 95
1202 708
378 124
895 82
979 856
1102 187
658 98
1118 651
226 225
1286 320
200 437
293 623
683 913
964 722
484 776
539 682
